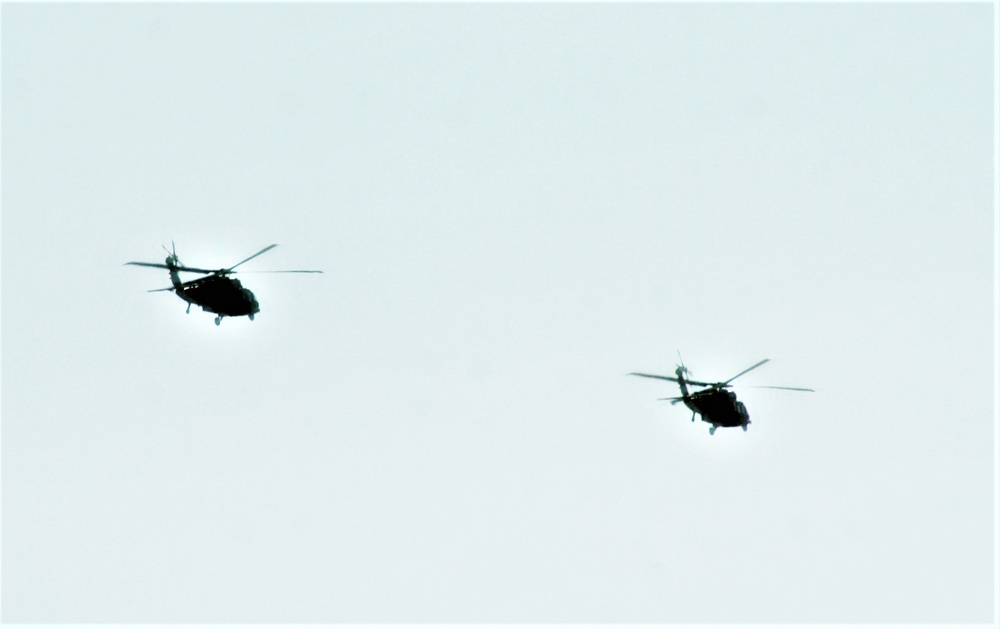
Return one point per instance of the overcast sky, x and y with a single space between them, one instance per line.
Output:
514 206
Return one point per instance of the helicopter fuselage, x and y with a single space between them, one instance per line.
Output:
222 295
718 407
218 293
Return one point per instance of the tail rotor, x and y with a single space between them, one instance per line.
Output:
682 370
171 254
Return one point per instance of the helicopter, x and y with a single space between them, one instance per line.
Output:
717 405
216 292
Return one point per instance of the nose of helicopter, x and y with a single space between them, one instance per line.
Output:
250 301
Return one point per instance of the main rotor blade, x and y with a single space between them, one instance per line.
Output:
164 266
296 271
157 290
746 370
783 388
264 250
694 382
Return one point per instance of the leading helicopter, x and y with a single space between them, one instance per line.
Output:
717 405
216 292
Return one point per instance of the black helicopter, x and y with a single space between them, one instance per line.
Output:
716 405
216 292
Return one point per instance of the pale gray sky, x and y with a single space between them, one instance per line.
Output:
514 206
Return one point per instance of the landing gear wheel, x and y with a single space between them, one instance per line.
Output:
711 430
188 311
251 317
218 320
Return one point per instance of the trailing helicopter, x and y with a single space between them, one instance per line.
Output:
216 292
717 405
